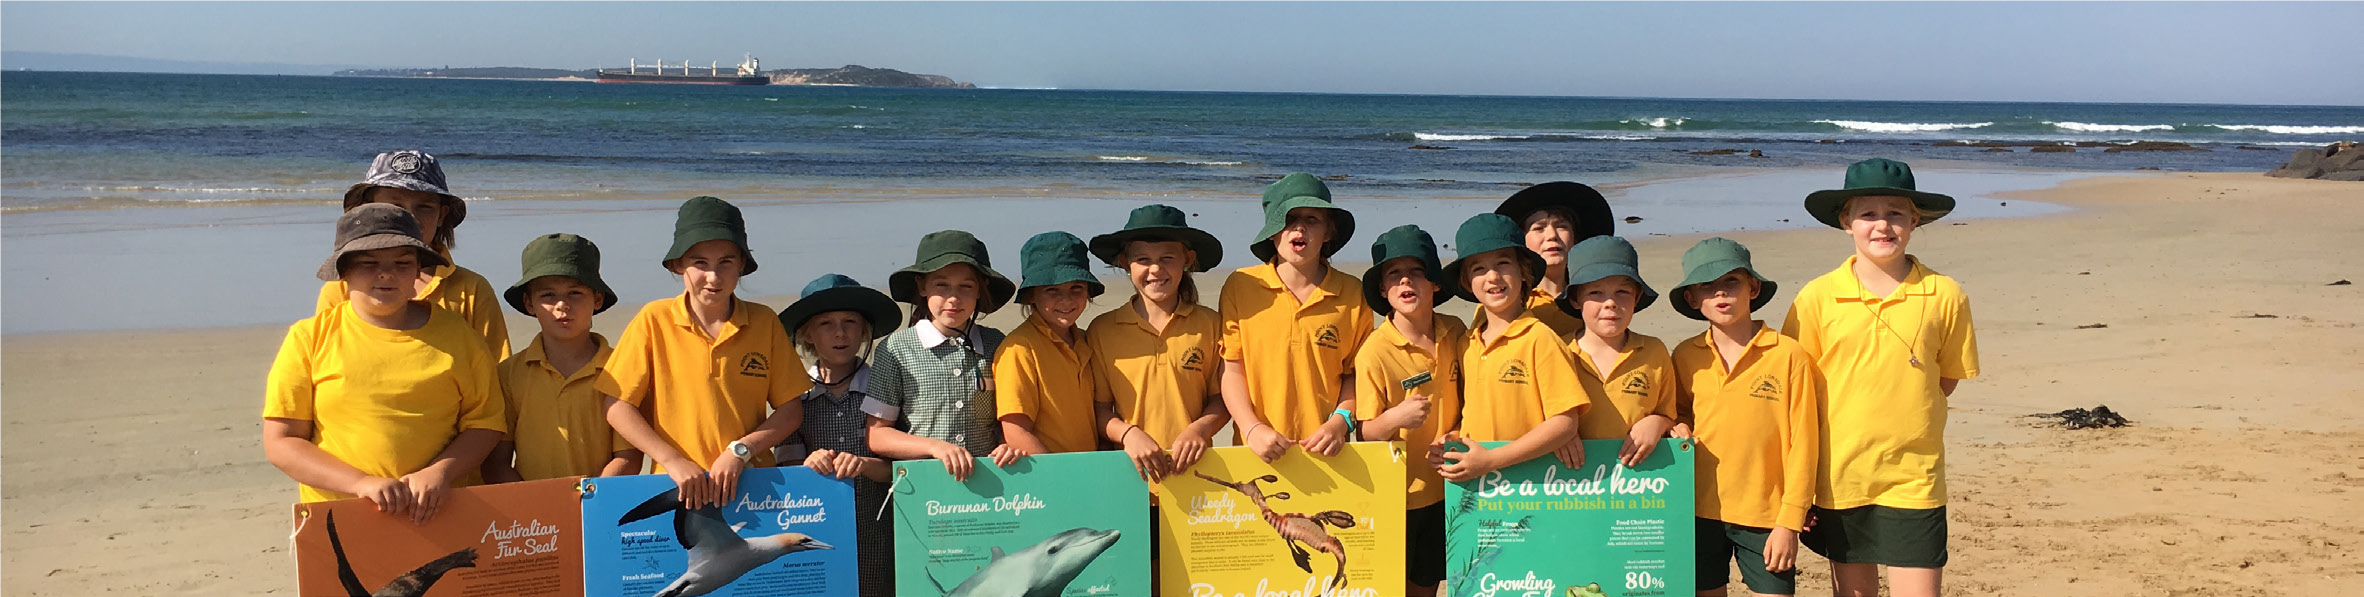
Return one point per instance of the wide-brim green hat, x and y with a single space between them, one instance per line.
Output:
1292 192
1599 257
559 254
1054 258
1711 259
941 249
1587 206
1159 223
1879 177
1486 233
833 292
1397 243
703 219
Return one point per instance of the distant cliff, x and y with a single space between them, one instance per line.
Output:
858 75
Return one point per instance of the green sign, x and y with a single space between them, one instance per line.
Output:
1049 525
1540 529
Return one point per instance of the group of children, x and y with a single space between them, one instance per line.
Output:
1829 432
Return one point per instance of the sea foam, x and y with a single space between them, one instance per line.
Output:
1452 137
1901 127
2286 129
2086 127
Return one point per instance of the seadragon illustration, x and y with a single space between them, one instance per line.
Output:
412 584
1296 528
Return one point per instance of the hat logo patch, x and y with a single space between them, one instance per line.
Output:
406 163
755 365
1766 387
1327 336
1195 360
1637 384
1515 372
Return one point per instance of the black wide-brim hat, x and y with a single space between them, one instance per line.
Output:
833 292
1590 209
942 249
1159 223
1877 177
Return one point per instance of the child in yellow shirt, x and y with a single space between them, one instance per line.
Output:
1628 375
1410 373
1893 338
381 396
1160 397
413 180
1521 381
557 421
1555 216
1291 325
1043 376
705 383
1753 399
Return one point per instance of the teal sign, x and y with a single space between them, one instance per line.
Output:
1539 529
1049 525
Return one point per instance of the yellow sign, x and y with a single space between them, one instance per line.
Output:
1302 526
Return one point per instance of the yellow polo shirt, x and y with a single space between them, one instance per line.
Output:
1758 428
1639 385
1884 418
557 421
1039 375
704 393
1544 306
457 289
1523 377
1159 381
384 401
1295 353
1385 361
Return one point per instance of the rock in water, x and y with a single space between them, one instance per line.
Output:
2054 149
2153 146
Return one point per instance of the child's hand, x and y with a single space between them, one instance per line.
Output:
1007 454
1436 451
1472 463
1270 444
1411 414
1149 459
1571 455
391 496
1187 450
1781 550
722 479
1642 440
428 488
1327 439
1679 431
824 462
690 478
956 460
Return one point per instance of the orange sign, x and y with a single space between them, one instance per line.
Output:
522 539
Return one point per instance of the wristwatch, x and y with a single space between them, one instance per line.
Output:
740 449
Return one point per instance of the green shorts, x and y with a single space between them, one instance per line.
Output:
1424 544
1879 535
1721 543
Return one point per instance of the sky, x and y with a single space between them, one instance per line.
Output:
2172 52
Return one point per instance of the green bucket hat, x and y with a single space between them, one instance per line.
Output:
1292 192
1054 258
1484 233
1586 205
703 219
1159 223
1601 257
1877 177
1399 242
559 254
943 248
1711 259
833 292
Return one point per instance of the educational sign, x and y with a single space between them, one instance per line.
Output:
513 539
1602 530
790 531
1300 526
1049 525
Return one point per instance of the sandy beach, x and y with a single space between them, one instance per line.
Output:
2197 305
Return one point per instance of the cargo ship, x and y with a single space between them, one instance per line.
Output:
749 73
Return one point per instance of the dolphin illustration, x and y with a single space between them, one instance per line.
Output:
410 584
1040 570
717 555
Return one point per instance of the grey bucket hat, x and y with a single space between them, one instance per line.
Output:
376 226
409 169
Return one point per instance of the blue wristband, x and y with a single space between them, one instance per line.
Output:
1352 433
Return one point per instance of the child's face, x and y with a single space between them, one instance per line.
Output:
1608 305
1550 233
836 337
424 206
563 306
1725 301
1881 226
1496 278
1060 305
381 279
710 271
951 295
1300 242
1405 280
1157 269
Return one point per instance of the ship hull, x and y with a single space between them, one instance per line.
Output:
616 77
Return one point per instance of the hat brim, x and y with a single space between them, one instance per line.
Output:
1063 275
455 209
903 285
1533 260
428 258
682 241
515 295
872 305
1593 216
1708 272
1277 219
1110 247
1599 271
1825 205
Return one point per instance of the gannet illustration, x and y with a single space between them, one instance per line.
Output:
717 555
412 584
1040 570
1295 528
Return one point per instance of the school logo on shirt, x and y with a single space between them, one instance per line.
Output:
1195 360
1515 372
1637 384
1327 336
755 365
1766 387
